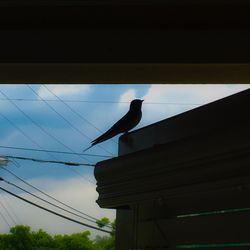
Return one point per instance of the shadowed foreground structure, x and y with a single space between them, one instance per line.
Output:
124 41
183 183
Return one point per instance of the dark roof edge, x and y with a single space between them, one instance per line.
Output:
113 2
217 102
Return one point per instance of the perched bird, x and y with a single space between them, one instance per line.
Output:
126 123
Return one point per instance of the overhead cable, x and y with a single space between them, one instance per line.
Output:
48 202
49 161
54 151
37 144
44 193
53 212
101 102
11 210
28 117
20 130
39 126
5 220
75 112
7 212
65 119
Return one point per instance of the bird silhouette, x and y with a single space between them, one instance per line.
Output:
126 123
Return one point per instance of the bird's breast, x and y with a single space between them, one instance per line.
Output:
134 120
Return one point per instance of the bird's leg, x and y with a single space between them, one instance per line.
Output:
124 134
127 139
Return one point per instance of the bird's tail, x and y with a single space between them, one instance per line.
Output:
109 134
87 148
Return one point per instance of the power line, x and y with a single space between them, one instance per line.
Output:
24 134
5 220
65 119
40 127
7 212
101 102
49 161
51 197
29 138
53 212
54 151
15 163
75 112
14 185
10 208
79 115
20 130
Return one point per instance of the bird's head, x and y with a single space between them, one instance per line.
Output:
136 104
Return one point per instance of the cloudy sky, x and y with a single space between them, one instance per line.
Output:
66 118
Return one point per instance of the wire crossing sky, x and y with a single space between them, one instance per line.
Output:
88 218
44 129
53 212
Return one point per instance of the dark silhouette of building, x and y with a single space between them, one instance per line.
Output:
183 182
194 162
124 41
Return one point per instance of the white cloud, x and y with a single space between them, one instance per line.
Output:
177 96
124 101
128 96
190 93
78 194
64 90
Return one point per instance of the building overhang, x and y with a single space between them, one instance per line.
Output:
142 31
207 148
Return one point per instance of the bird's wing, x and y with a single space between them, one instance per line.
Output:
107 135
116 129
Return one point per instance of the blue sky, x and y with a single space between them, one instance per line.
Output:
100 107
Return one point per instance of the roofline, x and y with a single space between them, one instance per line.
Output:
216 102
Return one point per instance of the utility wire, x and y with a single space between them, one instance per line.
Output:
15 163
29 138
5 220
49 161
51 197
10 208
54 151
16 186
79 115
75 112
24 134
28 117
53 212
66 120
102 102
7 212
39 126
20 130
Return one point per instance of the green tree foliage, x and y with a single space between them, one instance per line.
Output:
21 237
5 242
106 242
113 225
103 222
42 240
76 241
